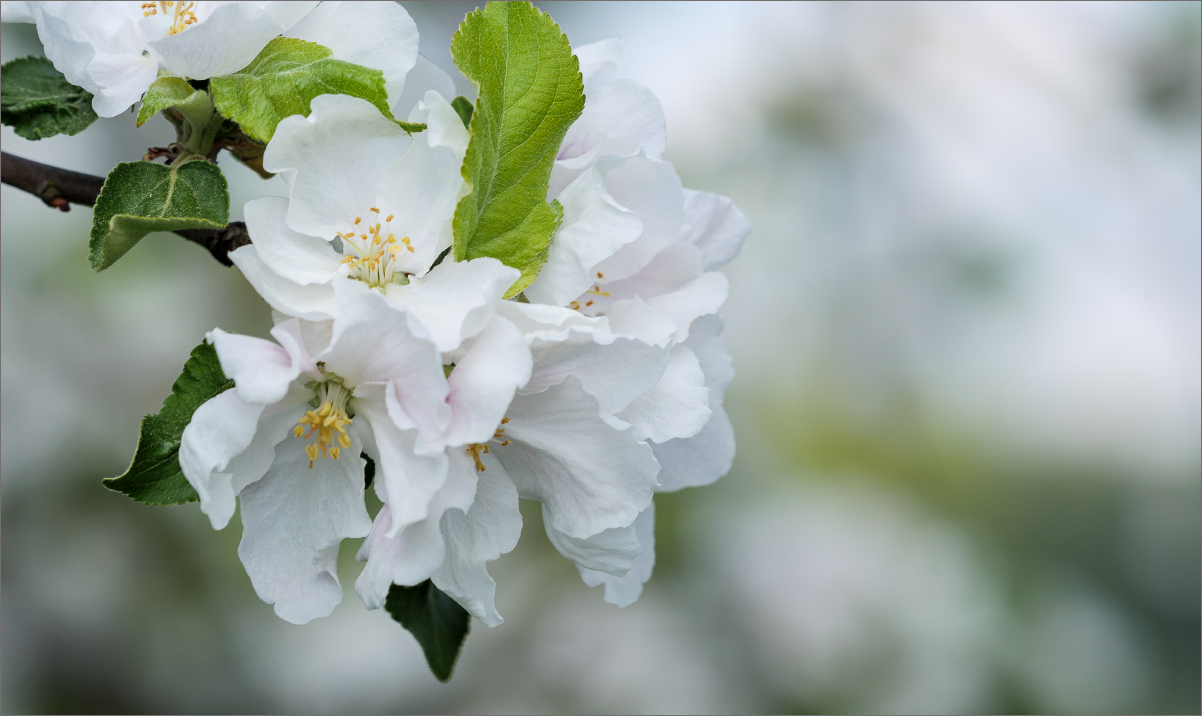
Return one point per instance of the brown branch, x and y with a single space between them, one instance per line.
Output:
58 188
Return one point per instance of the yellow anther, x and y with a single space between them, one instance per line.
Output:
600 275
588 303
411 249
375 210
504 420
394 250
358 219
324 410
391 239
389 217
505 442
474 450
311 450
344 440
499 433
596 290
298 431
334 452
574 306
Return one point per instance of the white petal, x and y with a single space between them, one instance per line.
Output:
293 520
612 551
420 190
702 297
622 119
338 155
260 369
535 318
673 268
17 11
444 126
289 12
589 476
424 77
625 590
373 342
407 474
604 54
714 225
379 35
220 429
489 529
483 383
291 254
594 228
313 302
225 42
653 191
415 552
633 317
613 369
678 405
456 299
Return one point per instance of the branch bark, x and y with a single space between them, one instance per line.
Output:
59 188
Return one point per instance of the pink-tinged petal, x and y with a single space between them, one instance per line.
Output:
594 228
225 42
374 342
714 225
295 256
379 35
456 300
652 190
424 77
415 552
589 476
260 369
336 156
312 302
613 369
677 406
489 529
625 590
483 383
220 430
408 473
612 551
293 520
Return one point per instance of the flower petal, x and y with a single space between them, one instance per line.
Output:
625 590
603 55
612 551
613 369
589 476
594 228
220 429
653 191
457 299
295 256
489 529
293 520
679 309
483 383
260 369
379 35
312 302
225 42
444 126
622 119
533 319
424 77
336 156
415 552
677 406
408 473
714 225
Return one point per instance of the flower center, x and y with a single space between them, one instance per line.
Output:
372 252
475 449
182 12
328 421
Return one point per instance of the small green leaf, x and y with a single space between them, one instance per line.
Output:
530 92
463 107
154 476
38 102
285 78
438 623
163 93
141 197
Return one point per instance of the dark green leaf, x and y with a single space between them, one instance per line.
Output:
285 78
154 476
530 92
438 623
463 107
141 197
38 102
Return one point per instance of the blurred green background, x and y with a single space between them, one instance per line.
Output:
966 329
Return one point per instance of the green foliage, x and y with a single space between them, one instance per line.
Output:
163 93
141 197
285 78
38 102
154 476
530 92
438 623
463 107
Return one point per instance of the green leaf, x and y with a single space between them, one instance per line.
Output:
163 93
38 102
141 197
285 78
463 107
438 623
154 476
530 92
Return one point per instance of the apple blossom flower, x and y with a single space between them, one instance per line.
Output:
287 438
115 50
369 209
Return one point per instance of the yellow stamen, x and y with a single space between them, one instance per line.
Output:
474 450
